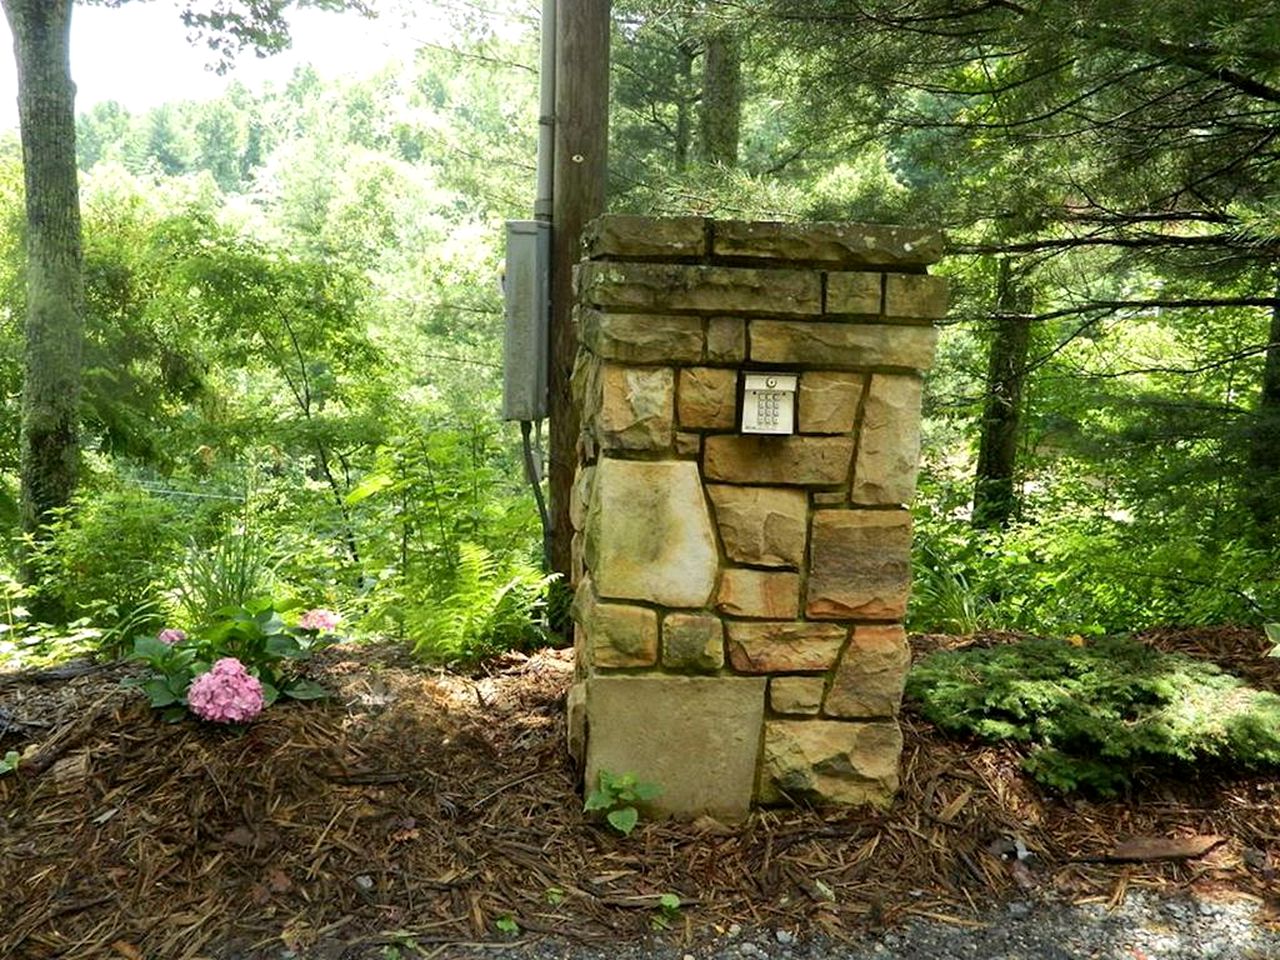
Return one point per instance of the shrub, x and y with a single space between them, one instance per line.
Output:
234 570
1094 714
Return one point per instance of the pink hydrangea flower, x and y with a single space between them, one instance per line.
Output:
171 635
228 693
326 621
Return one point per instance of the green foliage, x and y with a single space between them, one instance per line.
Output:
256 634
620 797
1094 714
231 572
9 762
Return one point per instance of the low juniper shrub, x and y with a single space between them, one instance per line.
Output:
247 658
1093 714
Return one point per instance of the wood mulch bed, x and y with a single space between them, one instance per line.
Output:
420 808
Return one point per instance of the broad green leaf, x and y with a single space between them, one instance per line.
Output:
269 694
598 800
305 690
158 692
646 791
623 820
367 487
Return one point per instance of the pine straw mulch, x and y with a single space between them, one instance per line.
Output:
427 807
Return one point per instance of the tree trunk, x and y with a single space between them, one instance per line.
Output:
685 102
582 139
994 499
721 97
1264 448
54 323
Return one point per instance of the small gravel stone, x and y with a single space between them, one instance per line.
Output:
783 937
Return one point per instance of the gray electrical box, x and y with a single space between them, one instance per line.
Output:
526 288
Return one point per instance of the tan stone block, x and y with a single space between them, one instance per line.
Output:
649 533
889 444
688 444
830 760
789 460
625 235
844 244
759 593
577 558
584 385
829 401
698 738
765 526
822 498
575 708
799 696
580 495
617 634
637 408
692 642
784 646
708 398
642 337
860 564
910 296
661 287
726 340
842 345
872 671
854 294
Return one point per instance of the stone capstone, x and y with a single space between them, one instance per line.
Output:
698 738
637 407
784 646
618 635
649 533
832 760
764 526
843 345
623 235
844 244
707 398
663 287
799 461
889 445
860 564
692 642
766 594
872 671
641 337
796 695
829 401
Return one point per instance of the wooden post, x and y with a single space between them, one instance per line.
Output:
581 145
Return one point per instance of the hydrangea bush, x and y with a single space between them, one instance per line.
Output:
239 665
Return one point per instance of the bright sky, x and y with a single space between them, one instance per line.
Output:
138 55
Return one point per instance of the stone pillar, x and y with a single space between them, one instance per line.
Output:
739 598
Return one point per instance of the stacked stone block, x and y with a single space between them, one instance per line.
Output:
739 598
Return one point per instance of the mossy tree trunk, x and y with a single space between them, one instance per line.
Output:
721 118
1264 448
994 498
54 322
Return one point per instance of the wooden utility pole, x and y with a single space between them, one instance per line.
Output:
582 140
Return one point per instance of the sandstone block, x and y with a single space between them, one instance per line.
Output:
622 235
796 461
860 564
617 634
708 398
842 345
661 287
829 401
726 340
649 533
584 385
642 337
784 646
889 445
577 558
692 642
909 296
854 294
825 498
844 244
637 407
759 593
830 760
698 738
872 671
761 525
580 495
688 444
798 696
576 722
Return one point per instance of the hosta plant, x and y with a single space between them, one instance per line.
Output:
247 658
